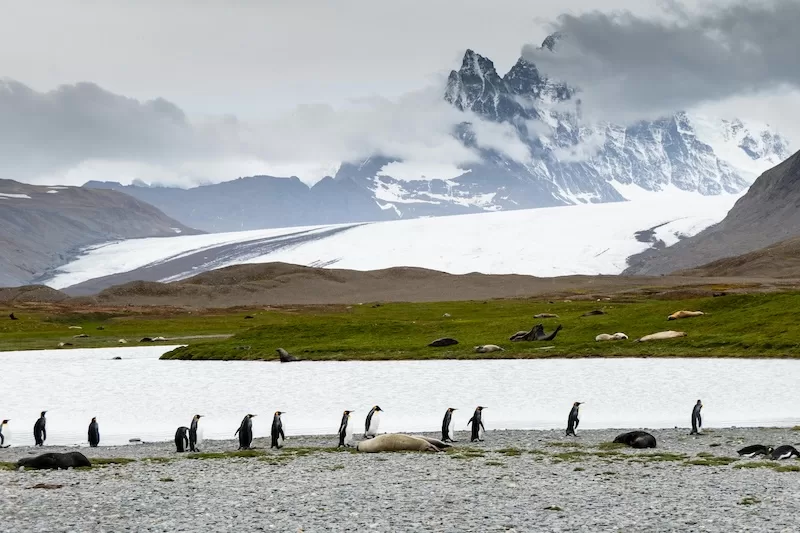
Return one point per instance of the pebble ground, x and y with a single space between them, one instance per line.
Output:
513 481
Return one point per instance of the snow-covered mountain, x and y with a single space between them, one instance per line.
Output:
557 159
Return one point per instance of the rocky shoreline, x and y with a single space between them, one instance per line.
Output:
514 481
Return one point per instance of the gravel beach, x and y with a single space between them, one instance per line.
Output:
514 481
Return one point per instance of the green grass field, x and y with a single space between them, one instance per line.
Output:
751 325
757 325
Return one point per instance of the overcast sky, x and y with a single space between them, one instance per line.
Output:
229 88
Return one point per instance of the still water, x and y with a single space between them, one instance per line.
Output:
143 397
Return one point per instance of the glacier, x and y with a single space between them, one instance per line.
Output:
595 238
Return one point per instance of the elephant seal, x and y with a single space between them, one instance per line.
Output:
444 341
636 439
614 337
535 334
54 461
487 348
436 442
396 442
545 315
593 313
684 314
285 356
661 335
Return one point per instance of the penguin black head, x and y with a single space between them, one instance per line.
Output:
198 416
346 412
278 413
451 409
5 421
481 408
94 419
251 416
700 403
43 413
576 404
377 408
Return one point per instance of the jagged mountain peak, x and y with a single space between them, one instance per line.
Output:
549 42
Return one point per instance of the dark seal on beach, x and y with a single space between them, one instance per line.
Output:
54 461
636 439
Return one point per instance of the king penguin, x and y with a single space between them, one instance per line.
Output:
181 439
245 432
447 426
277 431
193 437
784 452
697 422
94 433
346 430
477 424
373 422
572 419
40 430
5 434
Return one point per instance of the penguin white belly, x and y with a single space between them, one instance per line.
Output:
348 433
451 432
7 437
785 455
374 424
199 435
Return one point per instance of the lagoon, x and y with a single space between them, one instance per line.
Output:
143 397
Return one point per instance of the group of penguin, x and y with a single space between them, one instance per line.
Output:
187 438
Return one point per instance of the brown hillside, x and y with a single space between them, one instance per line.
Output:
780 260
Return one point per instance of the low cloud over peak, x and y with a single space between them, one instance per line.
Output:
629 65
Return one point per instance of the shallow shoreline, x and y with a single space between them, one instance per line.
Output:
513 481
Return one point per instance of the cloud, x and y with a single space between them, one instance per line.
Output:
80 132
632 67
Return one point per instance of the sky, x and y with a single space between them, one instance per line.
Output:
185 92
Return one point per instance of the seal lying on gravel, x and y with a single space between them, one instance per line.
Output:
684 314
662 335
395 442
54 461
285 356
636 439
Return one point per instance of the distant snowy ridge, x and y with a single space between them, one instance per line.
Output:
584 239
543 153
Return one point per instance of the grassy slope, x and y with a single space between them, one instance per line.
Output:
757 325
44 329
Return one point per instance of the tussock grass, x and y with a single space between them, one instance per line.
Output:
510 452
748 325
712 461
749 500
103 461
7 466
755 464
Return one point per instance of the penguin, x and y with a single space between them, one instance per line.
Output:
345 430
373 422
277 431
697 422
447 426
94 433
40 431
572 419
477 424
756 449
784 452
4 434
193 439
245 432
181 439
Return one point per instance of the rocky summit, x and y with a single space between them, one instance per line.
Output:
558 159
